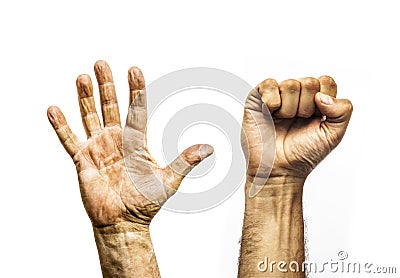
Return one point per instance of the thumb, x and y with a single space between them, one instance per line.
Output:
186 161
337 112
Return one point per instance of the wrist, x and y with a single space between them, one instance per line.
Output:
285 180
122 227
283 194
121 235
274 186
125 250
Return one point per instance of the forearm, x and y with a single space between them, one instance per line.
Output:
125 250
273 230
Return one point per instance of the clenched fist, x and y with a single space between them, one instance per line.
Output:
308 122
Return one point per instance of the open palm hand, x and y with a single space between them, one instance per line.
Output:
119 182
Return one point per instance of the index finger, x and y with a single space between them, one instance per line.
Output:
328 86
137 113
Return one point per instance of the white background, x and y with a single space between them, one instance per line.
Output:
351 199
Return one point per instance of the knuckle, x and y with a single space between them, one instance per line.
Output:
328 81
310 83
268 84
290 85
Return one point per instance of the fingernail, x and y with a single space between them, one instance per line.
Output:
325 99
103 72
84 86
205 151
135 79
